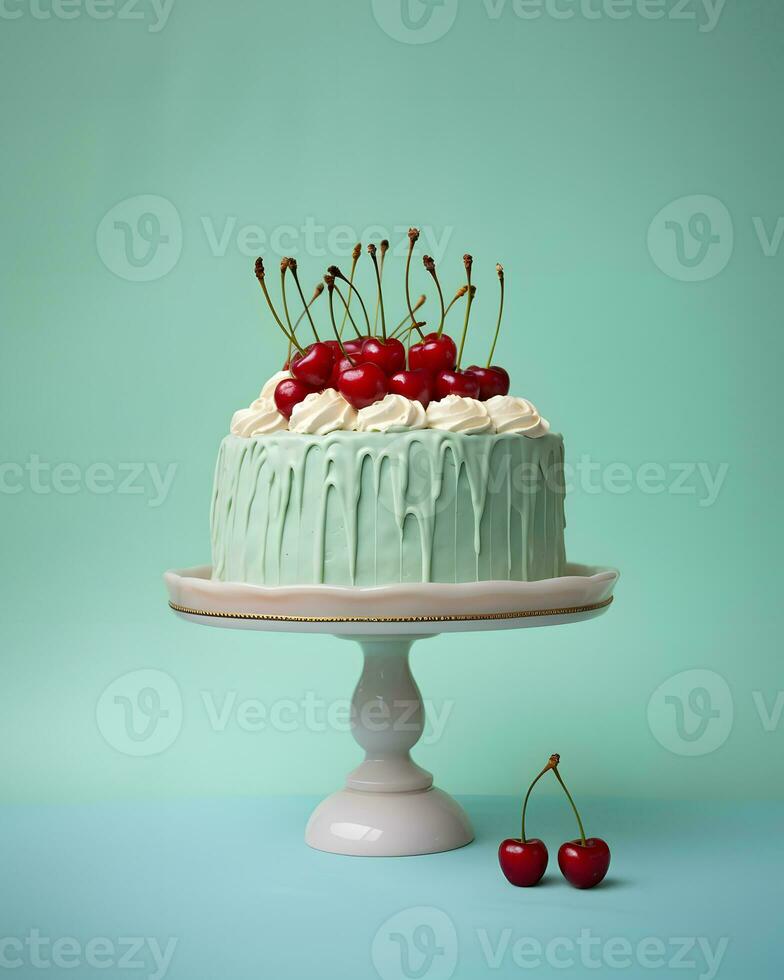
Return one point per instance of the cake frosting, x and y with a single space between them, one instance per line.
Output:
377 508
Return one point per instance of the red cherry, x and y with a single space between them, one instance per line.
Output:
354 347
334 346
314 367
290 392
584 865
362 384
390 354
456 383
416 385
341 364
433 353
522 863
492 380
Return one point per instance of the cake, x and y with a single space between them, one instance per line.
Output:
366 464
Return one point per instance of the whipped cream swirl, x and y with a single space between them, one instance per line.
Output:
322 412
512 414
457 414
257 420
394 413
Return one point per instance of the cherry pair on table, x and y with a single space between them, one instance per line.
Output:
583 862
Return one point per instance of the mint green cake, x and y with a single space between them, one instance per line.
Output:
367 508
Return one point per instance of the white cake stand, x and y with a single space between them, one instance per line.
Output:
389 806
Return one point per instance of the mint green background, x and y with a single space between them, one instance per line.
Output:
549 145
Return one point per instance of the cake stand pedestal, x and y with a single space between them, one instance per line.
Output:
389 806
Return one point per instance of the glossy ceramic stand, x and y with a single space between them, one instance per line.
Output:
389 806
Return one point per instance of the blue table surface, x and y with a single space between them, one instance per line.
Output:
227 889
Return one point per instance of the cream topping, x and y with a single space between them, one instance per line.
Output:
322 412
328 411
268 391
512 414
457 414
394 413
260 418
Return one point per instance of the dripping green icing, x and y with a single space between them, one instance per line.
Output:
358 508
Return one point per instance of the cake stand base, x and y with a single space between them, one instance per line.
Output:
389 806
388 824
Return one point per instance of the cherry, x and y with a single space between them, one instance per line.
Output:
290 392
492 380
390 354
314 367
584 863
456 383
524 860
354 346
334 346
341 364
415 385
433 353
523 864
362 384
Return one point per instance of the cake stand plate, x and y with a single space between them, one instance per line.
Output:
389 806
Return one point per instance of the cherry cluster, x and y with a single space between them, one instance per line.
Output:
376 361
583 862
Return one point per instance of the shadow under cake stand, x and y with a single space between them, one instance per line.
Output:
389 806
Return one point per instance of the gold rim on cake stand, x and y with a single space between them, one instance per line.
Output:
463 618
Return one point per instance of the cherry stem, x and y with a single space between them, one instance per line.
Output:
569 797
468 263
260 276
469 303
383 249
335 271
316 293
354 259
458 295
380 300
413 234
419 303
330 290
293 267
431 268
500 271
550 765
418 325
292 329
345 306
